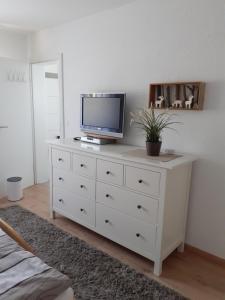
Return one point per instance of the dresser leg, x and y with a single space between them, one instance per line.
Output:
158 268
181 248
52 214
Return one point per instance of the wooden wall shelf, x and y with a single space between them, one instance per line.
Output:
177 95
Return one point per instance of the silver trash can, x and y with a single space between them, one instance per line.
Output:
14 188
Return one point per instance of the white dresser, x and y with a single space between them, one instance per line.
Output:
123 195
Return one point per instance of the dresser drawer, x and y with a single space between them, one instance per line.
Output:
121 228
110 172
61 200
141 180
62 179
61 159
78 208
67 180
84 165
135 205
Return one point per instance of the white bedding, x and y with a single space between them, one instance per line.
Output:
24 276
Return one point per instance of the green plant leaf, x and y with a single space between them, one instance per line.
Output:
153 124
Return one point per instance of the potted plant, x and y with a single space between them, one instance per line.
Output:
153 125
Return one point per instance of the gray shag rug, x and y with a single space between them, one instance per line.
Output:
94 274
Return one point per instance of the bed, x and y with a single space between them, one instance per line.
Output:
23 276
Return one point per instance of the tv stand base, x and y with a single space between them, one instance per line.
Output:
96 140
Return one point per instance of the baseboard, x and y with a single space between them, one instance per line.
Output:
210 257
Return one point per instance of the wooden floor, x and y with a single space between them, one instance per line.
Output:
190 273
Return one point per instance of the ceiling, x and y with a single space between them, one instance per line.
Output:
35 15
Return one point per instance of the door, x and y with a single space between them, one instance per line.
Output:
47 112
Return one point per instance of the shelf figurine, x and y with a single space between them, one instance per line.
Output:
159 103
188 103
177 104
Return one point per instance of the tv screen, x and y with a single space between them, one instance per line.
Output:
103 114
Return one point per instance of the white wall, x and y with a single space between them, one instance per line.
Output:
15 112
147 41
14 45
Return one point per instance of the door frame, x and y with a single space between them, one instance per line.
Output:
59 60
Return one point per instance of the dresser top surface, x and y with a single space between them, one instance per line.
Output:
125 152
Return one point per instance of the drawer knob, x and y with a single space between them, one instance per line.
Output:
139 206
81 165
138 235
82 210
60 159
140 180
61 200
107 172
81 186
107 195
106 221
60 178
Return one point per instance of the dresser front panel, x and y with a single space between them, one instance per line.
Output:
141 180
84 165
61 159
110 172
133 204
80 185
120 227
80 209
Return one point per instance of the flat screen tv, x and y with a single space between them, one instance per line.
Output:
102 114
